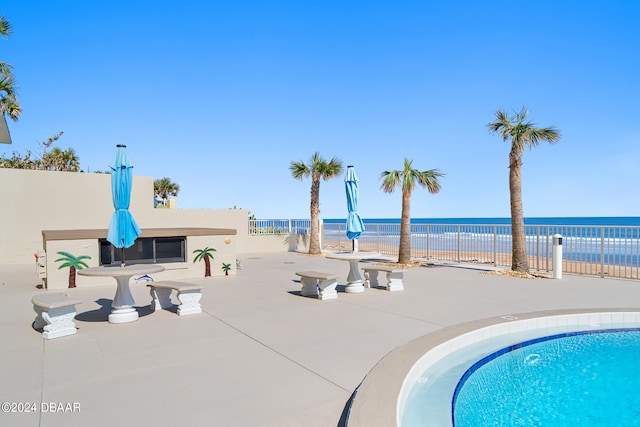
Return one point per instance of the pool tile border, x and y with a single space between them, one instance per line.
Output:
378 399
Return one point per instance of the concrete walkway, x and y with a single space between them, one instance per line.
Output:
259 354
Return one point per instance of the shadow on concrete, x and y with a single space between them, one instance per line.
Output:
339 288
102 314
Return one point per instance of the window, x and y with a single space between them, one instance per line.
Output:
146 250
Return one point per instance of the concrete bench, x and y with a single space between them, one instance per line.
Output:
54 314
394 277
188 294
318 284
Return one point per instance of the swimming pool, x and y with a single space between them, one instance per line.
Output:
464 370
589 379
430 367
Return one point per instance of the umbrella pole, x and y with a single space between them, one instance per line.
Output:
122 258
354 247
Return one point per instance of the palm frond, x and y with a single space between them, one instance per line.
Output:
522 134
299 170
6 69
429 180
408 177
390 180
8 86
5 27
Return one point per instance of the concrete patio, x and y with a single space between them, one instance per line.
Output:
259 354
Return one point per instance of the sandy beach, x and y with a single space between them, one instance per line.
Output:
498 259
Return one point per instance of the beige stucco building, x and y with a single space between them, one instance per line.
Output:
70 211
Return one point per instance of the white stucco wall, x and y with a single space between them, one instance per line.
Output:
59 278
33 201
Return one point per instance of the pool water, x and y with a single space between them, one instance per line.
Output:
582 379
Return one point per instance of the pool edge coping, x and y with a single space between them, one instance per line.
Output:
374 405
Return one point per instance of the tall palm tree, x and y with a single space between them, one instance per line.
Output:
164 188
74 263
204 255
316 168
8 94
407 179
522 135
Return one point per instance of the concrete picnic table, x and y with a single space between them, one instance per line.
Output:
354 279
122 310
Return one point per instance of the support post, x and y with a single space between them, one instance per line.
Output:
557 256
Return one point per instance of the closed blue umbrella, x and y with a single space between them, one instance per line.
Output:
123 230
355 227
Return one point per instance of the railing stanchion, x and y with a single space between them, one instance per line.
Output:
495 246
458 248
546 246
602 252
538 247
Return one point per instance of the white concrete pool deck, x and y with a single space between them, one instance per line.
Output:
259 354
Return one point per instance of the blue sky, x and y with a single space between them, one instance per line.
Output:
220 96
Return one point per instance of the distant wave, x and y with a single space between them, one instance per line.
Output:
614 221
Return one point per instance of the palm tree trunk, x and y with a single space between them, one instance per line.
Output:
404 251
519 260
207 267
72 277
314 239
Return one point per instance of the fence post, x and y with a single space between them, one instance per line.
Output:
546 246
458 248
538 247
602 252
495 246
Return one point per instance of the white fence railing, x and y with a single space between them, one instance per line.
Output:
606 251
279 226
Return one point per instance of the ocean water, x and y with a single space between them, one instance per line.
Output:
614 221
608 240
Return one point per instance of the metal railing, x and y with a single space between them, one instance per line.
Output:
279 226
606 251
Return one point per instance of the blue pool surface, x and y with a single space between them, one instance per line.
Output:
582 379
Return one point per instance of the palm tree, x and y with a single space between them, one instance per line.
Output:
8 95
58 160
407 179
164 188
74 263
522 135
205 254
317 168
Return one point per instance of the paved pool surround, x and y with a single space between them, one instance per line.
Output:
380 399
258 344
